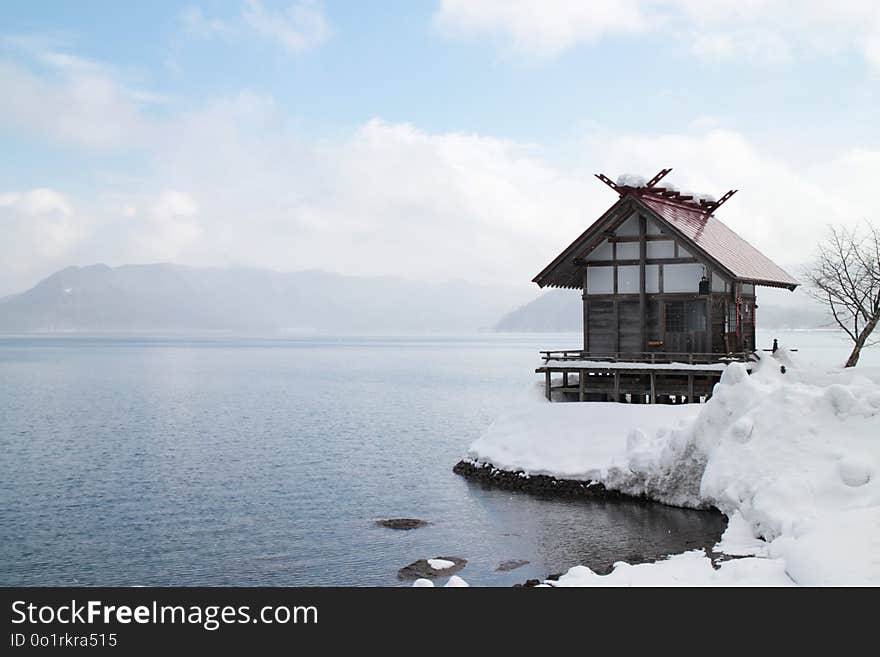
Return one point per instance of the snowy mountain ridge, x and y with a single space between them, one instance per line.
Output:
167 297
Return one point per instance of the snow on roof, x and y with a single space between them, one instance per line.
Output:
631 180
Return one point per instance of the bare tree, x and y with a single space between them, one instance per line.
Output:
846 278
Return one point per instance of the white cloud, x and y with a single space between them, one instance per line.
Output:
390 198
39 228
301 26
196 23
37 202
761 30
543 27
233 181
79 102
169 231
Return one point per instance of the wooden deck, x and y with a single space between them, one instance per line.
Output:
636 377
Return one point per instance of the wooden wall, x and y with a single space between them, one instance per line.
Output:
681 322
641 287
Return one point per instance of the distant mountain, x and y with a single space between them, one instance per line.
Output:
553 311
562 310
165 297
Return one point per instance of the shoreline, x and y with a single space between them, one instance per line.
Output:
539 484
549 486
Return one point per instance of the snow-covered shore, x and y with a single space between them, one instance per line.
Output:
792 459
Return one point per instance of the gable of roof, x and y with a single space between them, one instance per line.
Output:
701 231
562 272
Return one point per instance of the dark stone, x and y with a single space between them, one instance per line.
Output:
511 564
422 568
403 523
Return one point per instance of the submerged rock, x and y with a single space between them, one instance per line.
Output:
511 564
403 523
422 569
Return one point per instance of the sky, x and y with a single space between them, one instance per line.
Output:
434 140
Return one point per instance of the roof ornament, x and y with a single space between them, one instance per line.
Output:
605 179
660 175
705 204
711 206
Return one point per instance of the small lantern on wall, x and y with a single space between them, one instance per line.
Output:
704 284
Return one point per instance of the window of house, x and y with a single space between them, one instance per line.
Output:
661 249
628 279
601 252
629 227
600 280
682 278
719 283
627 250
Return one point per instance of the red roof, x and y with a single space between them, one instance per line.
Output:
718 241
690 220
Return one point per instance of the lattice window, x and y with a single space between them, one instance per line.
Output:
675 317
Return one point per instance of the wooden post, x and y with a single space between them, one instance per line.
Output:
547 384
617 385
586 315
582 385
690 387
565 379
651 400
643 304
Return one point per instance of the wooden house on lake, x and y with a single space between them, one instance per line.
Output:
668 297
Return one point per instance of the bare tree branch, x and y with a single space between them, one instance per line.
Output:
846 278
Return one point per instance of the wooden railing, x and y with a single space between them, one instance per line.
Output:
647 356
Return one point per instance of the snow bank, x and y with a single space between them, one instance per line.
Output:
792 459
568 440
692 568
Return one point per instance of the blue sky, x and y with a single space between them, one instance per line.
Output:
285 134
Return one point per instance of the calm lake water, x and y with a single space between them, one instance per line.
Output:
229 461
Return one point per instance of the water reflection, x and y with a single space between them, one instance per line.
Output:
558 533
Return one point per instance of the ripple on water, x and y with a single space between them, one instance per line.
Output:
225 461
